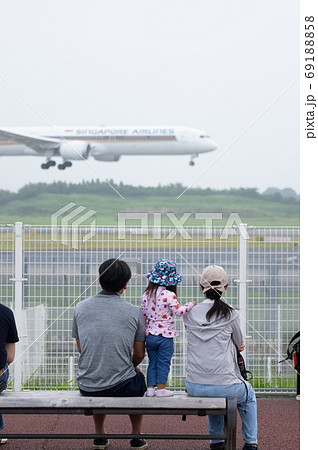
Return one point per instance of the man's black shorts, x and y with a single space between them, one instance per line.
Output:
133 387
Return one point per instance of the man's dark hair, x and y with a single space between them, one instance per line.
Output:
114 274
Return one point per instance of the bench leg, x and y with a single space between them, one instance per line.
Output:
230 424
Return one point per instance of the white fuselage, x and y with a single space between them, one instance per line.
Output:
103 143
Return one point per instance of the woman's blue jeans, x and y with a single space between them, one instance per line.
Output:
160 351
246 405
3 384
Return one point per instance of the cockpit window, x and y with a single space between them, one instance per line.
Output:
205 136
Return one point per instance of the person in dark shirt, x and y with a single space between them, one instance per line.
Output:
8 338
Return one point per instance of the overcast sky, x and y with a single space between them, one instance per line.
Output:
229 68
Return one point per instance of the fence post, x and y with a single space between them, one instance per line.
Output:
18 299
243 279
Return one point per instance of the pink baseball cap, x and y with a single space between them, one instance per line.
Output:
214 273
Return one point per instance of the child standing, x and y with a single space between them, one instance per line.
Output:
159 304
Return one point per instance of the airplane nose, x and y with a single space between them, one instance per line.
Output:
212 145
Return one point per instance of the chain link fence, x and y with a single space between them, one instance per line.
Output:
45 271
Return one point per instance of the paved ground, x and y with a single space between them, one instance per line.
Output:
278 425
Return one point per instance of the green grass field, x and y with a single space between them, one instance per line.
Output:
253 211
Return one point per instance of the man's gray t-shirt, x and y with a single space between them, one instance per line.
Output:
106 326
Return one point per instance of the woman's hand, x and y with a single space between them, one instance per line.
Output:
241 347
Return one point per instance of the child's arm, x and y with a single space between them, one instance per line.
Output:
178 310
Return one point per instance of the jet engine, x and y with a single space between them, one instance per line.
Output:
74 150
102 153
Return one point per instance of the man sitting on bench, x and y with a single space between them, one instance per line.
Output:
108 330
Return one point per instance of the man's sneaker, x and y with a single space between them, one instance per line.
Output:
219 445
3 441
139 443
101 444
250 446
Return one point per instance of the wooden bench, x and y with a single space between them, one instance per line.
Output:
71 402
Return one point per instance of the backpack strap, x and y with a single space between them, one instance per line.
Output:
290 349
241 364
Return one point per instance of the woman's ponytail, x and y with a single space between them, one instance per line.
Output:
219 308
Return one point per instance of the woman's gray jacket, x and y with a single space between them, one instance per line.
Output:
212 355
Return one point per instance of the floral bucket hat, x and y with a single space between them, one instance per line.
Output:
165 273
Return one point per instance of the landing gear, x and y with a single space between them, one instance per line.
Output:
48 164
64 165
192 158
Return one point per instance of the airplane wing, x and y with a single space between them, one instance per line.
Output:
39 144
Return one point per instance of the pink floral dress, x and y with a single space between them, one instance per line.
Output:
159 311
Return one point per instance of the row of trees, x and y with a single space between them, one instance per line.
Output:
97 187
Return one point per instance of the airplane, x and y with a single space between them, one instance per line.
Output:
103 143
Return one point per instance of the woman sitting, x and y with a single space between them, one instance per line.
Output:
214 334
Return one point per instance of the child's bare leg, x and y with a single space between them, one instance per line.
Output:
160 386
